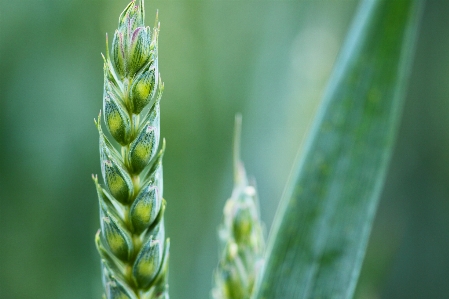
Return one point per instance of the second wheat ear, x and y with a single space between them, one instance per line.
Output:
131 242
241 235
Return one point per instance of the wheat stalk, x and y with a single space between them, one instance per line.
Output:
131 241
241 235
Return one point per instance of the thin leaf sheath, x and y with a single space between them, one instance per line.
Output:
131 241
320 233
241 236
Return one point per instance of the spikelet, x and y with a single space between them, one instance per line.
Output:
131 242
241 236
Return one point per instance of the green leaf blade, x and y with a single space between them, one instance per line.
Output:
320 233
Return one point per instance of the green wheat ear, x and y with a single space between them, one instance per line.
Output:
241 236
131 241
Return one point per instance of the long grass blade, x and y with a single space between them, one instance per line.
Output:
321 229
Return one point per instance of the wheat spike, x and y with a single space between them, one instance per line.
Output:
241 235
131 242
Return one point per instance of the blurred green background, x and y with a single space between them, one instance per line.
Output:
269 60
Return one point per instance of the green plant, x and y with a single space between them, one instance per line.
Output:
131 242
241 235
320 233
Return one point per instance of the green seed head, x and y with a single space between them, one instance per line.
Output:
139 53
119 53
144 147
116 118
144 87
145 208
113 170
106 258
148 262
132 45
116 178
242 225
116 236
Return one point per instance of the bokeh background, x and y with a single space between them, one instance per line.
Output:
269 60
